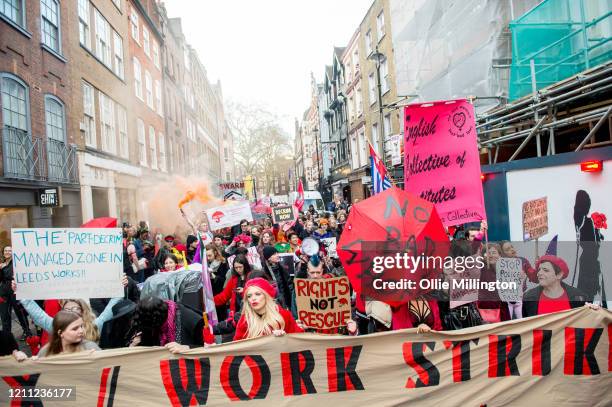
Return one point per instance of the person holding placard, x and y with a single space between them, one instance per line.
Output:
261 316
8 301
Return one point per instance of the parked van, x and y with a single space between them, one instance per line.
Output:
313 198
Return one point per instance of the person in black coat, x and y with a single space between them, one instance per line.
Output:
552 295
8 301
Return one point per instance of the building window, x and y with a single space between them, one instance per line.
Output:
158 98
84 19
372 88
225 153
14 11
124 148
368 42
54 119
152 147
375 137
354 156
155 53
358 102
384 76
149 89
103 47
162 152
137 78
89 115
134 26
107 123
142 148
380 25
387 126
49 13
228 176
145 41
15 105
118 50
363 148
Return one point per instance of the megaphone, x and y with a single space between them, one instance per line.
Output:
310 246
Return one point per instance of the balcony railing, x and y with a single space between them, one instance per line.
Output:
35 159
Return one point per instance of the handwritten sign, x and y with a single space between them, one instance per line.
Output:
229 215
535 218
67 263
323 303
330 245
508 269
441 159
464 287
283 214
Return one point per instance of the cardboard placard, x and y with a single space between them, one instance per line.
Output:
323 303
535 218
508 269
67 263
283 214
229 215
330 244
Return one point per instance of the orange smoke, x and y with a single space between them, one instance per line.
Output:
201 193
187 198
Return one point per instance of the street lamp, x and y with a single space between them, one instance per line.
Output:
379 57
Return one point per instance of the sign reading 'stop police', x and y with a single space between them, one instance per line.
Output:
282 214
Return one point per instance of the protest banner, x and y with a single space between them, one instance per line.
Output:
67 263
283 214
330 244
229 215
558 359
535 219
508 269
441 159
253 258
323 303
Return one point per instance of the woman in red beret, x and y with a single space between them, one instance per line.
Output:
552 294
261 316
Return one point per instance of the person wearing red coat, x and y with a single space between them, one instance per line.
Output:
261 316
234 287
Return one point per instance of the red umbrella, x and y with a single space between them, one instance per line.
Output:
391 222
101 223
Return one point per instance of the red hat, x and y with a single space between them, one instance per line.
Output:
260 283
557 261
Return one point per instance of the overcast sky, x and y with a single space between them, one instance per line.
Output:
264 50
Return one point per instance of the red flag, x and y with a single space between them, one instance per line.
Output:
299 200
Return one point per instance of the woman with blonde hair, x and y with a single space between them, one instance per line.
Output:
261 316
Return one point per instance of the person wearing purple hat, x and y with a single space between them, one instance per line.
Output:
261 316
552 294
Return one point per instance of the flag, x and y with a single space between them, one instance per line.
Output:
299 200
380 181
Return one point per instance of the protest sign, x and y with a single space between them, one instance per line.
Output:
229 215
441 159
535 218
556 359
283 214
287 263
395 144
461 294
67 263
330 244
508 269
323 303
253 257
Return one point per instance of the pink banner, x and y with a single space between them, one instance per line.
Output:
441 162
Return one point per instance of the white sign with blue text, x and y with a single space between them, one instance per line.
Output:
67 263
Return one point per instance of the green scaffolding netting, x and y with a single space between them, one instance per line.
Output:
562 38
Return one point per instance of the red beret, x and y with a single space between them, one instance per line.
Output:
260 283
557 261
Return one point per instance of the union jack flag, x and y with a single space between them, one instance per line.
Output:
380 181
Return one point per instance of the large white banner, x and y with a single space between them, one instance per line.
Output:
229 215
67 263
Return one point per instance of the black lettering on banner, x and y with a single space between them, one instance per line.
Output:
540 360
461 358
297 367
195 373
503 350
21 382
414 356
580 344
230 377
341 369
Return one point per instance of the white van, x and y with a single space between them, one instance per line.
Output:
313 198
